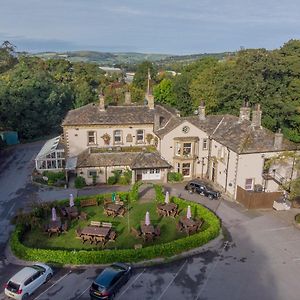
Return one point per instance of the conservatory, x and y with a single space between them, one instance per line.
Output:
51 157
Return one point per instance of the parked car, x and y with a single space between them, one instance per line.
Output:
27 280
110 280
197 186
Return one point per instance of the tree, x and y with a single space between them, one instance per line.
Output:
163 92
7 56
141 75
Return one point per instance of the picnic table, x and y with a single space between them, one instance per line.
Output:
167 209
190 225
54 226
114 209
95 234
72 212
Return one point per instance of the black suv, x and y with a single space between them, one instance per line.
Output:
196 186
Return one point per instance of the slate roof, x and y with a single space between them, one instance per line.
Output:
136 160
242 137
147 160
238 136
127 114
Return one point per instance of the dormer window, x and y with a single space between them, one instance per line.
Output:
92 138
117 137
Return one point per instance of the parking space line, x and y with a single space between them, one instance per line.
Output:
52 285
226 244
172 280
132 283
82 292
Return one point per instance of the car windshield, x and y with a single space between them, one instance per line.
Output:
38 268
13 287
107 276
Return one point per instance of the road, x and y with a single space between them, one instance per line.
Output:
258 259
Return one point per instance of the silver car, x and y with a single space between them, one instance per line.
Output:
26 281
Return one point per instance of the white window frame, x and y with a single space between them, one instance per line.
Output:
205 144
249 187
92 171
185 147
185 168
118 136
89 135
177 149
139 133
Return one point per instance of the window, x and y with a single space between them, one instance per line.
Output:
178 167
92 173
91 137
186 169
152 171
117 136
177 149
140 136
249 184
157 171
204 146
187 149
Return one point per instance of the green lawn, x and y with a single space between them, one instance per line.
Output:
37 239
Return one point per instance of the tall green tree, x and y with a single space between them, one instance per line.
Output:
141 75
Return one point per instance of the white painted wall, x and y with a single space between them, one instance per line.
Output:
77 137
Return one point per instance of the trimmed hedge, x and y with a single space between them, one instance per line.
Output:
127 255
175 177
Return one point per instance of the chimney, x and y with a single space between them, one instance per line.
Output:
101 102
244 112
256 117
201 111
150 100
278 138
127 98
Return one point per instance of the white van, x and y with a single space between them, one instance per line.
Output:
26 281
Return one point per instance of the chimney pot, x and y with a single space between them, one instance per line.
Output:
101 102
127 98
201 111
244 112
278 138
256 117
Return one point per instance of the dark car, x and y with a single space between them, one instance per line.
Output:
110 280
197 186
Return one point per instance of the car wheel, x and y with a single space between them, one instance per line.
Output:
25 296
210 197
49 276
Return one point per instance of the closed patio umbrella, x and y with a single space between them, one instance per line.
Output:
53 214
189 213
147 218
167 198
71 200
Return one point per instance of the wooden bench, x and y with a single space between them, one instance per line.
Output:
88 202
95 223
106 224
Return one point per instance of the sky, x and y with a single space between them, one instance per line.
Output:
148 26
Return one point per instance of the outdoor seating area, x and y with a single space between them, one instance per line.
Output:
88 226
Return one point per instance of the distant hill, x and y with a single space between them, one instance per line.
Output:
126 58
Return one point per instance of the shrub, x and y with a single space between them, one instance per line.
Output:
134 192
112 180
175 177
80 182
54 178
159 195
297 218
123 180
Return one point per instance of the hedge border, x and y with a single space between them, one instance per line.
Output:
78 257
